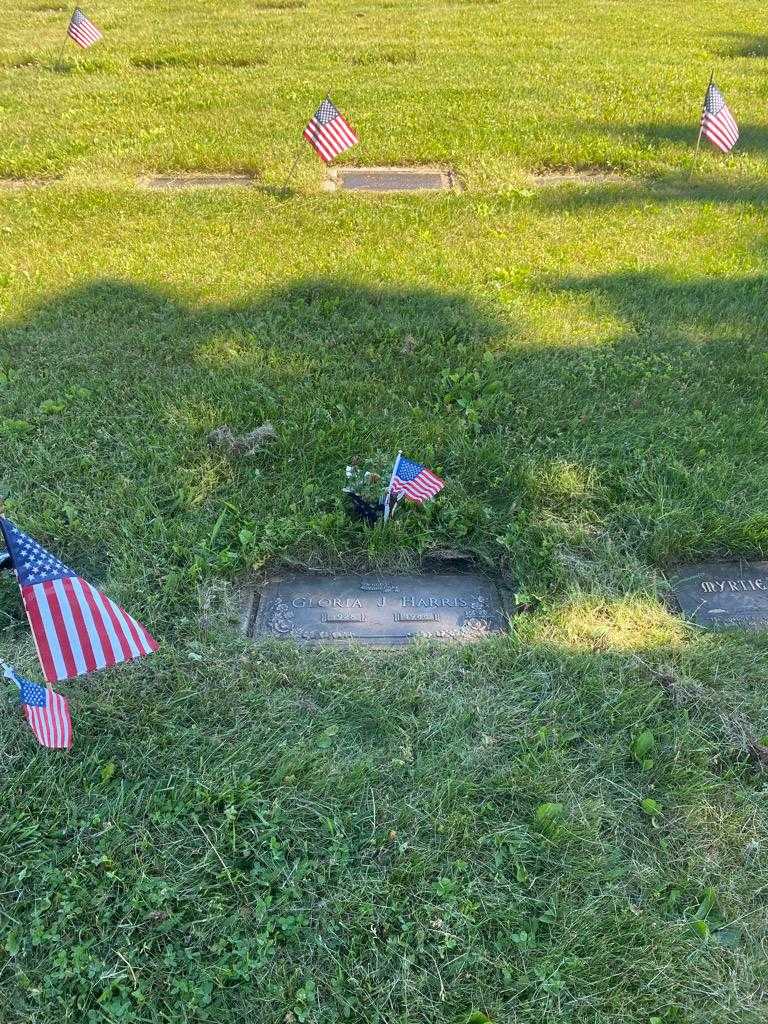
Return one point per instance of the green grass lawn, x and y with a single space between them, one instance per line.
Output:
259 833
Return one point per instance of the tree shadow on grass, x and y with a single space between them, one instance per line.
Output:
116 386
671 411
662 190
753 138
133 329
654 433
745 44
491 735
720 311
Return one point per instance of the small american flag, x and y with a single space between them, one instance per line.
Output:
415 481
82 31
76 628
328 133
717 123
46 712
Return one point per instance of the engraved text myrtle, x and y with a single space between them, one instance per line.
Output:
726 586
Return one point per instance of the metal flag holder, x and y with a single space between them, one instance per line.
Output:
361 508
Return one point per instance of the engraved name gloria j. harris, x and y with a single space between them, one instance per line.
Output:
381 600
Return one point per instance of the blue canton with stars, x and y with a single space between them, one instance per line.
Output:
32 694
326 112
407 469
33 564
714 102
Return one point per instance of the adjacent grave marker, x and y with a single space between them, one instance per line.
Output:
16 183
549 179
179 181
390 179
378 610
724 595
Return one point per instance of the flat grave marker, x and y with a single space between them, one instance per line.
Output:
724 595
160 182
18 183
552 179
390 179
378 610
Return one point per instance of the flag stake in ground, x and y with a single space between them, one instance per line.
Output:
46 712
292 171
328 133
76 628
388 495
80 30
701 126
412 481
717 123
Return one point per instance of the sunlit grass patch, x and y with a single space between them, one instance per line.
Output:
591 624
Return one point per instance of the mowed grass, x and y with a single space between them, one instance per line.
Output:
565 824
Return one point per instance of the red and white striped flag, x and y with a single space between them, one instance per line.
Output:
328 133
414 481
717 122
46 711
76 628
82 31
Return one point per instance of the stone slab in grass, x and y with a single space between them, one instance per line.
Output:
377 610
724 595
390 179
162 182
549 179
12 184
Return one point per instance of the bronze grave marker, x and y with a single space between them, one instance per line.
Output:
379 610
390 179
161 182
724 595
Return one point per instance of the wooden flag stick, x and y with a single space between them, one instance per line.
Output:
701 127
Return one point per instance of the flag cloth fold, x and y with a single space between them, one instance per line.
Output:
82 31
414 481
76 628
717 122
46 711
328 133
